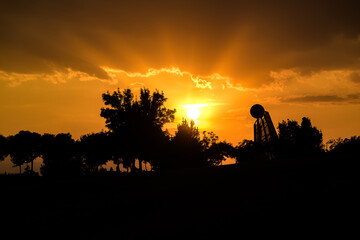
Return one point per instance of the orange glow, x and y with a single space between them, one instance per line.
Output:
196 111
193 113
58 103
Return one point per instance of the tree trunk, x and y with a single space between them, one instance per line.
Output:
118 168
20 169
140 165
132 166
32 165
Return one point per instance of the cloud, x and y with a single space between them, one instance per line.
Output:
327 82
115 76
353 98
355 77
56 77
137 85
306 99
244 40
200 81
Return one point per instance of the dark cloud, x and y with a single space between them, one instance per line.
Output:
355 77
352 98
241 39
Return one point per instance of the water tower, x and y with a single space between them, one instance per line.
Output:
264 130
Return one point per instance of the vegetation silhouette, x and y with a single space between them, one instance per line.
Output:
216 151
187 147
136 134
3 148
60 156
23 148
95 151
136 125
345 147
299 140
249 150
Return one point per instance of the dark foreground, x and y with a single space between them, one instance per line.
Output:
297 197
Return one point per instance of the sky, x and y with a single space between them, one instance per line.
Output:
296 58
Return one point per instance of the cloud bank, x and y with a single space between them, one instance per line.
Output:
244 40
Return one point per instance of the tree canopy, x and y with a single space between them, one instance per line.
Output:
60 156
124 110
136 124
3 151
345 147
95 150
299 140
23 148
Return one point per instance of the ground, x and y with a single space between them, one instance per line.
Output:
293 195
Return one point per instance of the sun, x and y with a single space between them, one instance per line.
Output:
193 113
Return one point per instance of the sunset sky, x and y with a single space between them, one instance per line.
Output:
296 58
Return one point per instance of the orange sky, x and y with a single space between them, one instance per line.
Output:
296 59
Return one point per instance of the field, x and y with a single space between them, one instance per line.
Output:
297 196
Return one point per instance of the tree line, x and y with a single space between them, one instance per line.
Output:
135 134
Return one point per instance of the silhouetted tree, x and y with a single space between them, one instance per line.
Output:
24 147
136 124
311 139
248 150
187 148
345 147
299 140
216 152
3 148
95 150
60 156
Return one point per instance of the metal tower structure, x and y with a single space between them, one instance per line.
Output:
264 130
